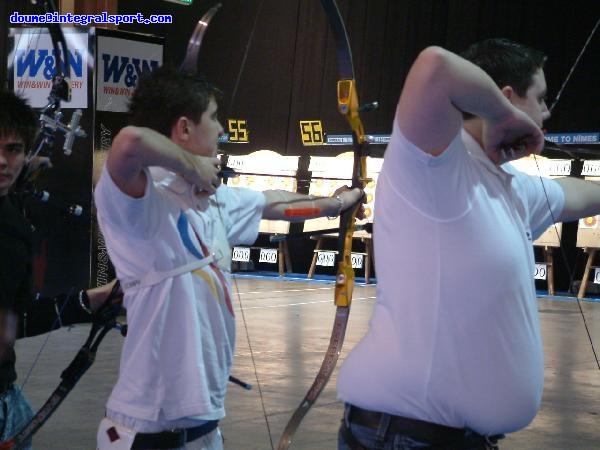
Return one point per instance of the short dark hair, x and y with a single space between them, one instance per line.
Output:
508 63
166 94
17 118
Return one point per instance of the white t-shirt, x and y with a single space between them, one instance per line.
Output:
454 338
181 332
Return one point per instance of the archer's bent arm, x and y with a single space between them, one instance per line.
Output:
135 148
45 314
439 87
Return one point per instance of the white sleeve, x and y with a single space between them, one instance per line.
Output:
138 215
545 200
241 210
439 187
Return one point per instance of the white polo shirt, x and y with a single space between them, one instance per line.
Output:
454 338
181 332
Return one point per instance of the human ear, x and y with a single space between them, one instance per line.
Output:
508 92
181 129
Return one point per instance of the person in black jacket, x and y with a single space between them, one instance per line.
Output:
21 313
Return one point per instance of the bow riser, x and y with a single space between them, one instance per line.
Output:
348 106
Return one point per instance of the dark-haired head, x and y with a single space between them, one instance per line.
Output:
17 118
165 94
508 63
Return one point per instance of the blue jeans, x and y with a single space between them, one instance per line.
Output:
380 439
15 412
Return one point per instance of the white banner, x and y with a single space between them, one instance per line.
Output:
35 62
120 63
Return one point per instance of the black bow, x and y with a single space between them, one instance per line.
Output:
349 107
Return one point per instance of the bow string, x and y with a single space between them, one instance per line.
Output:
190 65
571 272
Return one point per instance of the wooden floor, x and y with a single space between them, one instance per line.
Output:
283 331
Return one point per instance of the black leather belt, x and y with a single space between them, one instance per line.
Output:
172 439
417 429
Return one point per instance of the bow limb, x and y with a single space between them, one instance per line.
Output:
60 89
104 320
190 61
348 106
